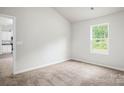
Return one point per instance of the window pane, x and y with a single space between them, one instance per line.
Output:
100 37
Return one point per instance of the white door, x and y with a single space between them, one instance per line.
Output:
0 42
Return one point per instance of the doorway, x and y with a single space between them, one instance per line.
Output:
7 50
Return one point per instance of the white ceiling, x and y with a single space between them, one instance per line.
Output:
74 14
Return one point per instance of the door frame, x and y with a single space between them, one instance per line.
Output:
14 40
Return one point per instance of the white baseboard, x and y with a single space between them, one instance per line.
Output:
76 59
37 67
91 62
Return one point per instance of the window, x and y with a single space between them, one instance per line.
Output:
100 38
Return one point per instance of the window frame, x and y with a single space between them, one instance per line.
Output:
97 51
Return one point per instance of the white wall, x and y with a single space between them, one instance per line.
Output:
81 41
44 34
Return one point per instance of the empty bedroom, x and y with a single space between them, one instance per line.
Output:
61 46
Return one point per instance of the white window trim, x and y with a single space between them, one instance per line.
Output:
93 51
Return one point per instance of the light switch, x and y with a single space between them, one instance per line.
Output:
19 42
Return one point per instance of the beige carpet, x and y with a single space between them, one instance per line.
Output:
69 73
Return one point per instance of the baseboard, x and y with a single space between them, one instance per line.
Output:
37 67
102 65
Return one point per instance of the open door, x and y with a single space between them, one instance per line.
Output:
6 46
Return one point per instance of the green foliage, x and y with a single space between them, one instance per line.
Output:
100 35
100 31
99 44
